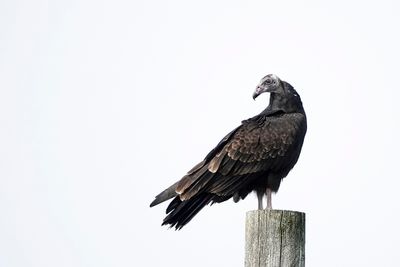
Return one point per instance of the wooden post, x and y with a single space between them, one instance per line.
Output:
275 238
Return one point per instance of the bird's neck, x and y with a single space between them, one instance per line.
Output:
276 102
280 103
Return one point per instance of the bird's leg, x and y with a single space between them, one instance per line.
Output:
269 199
260 195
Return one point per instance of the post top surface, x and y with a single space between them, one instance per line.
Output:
265 211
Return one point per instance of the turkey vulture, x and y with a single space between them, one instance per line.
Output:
255 156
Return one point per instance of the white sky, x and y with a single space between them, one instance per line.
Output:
105 103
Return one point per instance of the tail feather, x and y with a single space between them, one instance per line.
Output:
173 204
181 212
165 195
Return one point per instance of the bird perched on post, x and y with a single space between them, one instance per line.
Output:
255 156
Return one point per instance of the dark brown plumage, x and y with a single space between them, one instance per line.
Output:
255 156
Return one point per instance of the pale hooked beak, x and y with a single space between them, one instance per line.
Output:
259 90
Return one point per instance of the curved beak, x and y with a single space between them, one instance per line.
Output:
259 90
255 94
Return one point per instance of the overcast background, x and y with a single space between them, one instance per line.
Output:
103 104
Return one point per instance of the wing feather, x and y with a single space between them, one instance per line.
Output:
258 145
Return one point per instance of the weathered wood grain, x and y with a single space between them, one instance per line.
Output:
275 238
